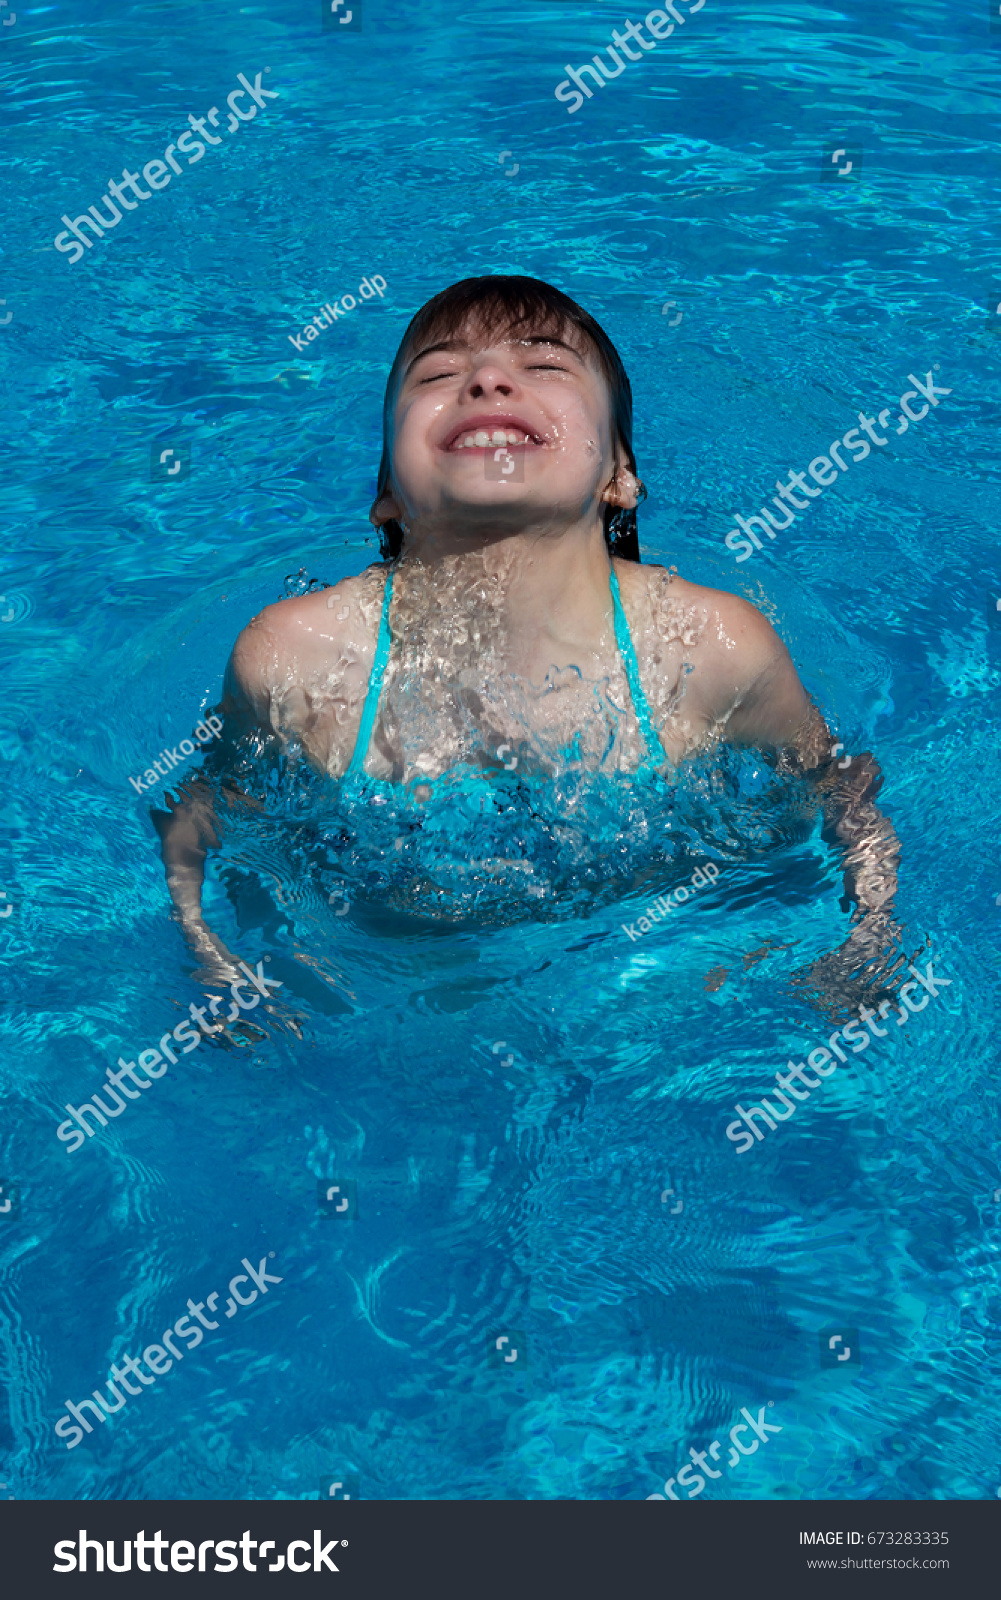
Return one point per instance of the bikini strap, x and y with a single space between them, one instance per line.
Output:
375 678
623 638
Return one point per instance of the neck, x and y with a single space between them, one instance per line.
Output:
547 585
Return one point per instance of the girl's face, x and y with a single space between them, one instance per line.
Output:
500 432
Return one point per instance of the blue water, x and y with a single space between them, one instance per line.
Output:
511 1083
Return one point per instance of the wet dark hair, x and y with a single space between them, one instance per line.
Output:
512 303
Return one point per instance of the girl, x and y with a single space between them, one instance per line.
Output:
510 628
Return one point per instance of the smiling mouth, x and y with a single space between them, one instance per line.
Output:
502 434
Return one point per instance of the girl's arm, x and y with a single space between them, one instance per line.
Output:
774 714
188 829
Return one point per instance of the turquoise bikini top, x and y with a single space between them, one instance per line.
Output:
656 755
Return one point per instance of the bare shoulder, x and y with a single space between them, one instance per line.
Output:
304 639
738 674
711 624
736 630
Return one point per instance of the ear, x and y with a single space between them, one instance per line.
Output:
386 508
623 490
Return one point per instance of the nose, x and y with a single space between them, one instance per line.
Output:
489 377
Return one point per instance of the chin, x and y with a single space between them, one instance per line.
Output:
484 520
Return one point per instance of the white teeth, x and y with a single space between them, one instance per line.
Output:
481 439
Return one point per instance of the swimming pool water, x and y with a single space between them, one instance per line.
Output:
529 1103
